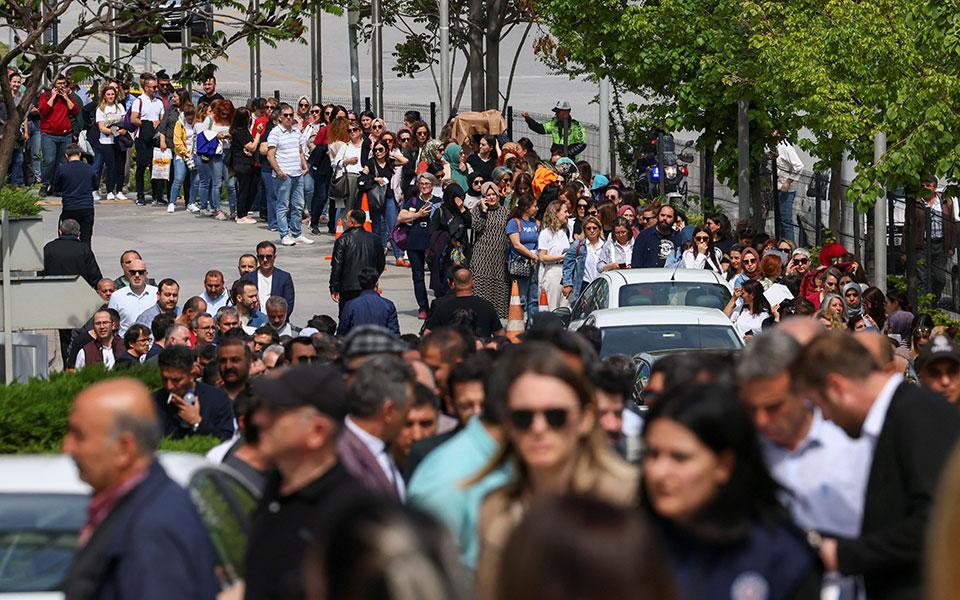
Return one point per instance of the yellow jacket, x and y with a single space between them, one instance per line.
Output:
180 147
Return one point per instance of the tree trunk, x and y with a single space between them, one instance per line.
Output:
836 195
11 130
494 27
477 83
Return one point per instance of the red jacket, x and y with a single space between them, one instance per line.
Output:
55 119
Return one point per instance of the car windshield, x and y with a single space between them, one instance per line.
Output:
38 535
675 293
634 339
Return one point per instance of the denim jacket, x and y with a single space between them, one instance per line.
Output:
574 263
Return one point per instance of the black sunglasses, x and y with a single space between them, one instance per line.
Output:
377 126
307 359
523 419
380 149
702 238
138 272
265 256
314 112
405 139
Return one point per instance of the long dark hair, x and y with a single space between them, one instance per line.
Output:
760 304
720 423
874 302
521 206
711 253
724 233
241 121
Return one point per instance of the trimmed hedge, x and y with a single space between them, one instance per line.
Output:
33 416
19 201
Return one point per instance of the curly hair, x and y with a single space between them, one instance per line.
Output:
551 216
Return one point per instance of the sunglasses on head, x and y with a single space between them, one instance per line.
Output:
523 419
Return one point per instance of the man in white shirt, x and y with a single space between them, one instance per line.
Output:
214 293
106 345
379 399
146 112
132 300
286 158
789 170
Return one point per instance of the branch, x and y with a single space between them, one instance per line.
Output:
513 66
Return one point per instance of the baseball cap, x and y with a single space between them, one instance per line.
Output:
939 347
322 387
372 339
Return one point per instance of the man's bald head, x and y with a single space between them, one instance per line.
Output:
802 329
880 349
112 432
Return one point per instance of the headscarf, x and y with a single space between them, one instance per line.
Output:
567 168
633 224
471 179
450 194
830 252
487 186
451 154
853 311
750 251
507 149
901 323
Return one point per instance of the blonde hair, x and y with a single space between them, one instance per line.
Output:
551 220
103 97
942 569
595 221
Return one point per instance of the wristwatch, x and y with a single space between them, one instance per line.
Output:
196 425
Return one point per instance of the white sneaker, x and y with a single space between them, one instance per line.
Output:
111 196
96 196
171 208
302 239
193 208
120 196
288 240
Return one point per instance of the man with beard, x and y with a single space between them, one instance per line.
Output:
658 246
245 300
168 294
233 360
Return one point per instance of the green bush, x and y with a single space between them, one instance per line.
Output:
19 201
197 444
33 416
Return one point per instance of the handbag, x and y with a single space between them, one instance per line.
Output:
84 143
399 235
339 186
365 182
161 164
376 198
519 265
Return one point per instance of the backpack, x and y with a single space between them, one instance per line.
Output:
206 146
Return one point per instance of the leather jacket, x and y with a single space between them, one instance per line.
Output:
354 250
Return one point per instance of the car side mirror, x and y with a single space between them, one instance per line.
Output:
564 313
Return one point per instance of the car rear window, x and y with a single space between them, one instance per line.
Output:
675 293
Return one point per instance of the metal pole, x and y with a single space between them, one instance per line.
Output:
446 83
148 57
604 125
111 42
743 158
880 222
353 22
661 184
186 41
315 58
377 52
7 299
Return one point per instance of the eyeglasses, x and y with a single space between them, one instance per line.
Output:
611 196
352 129
591 228
377 127
523 419
701 238
138 272
286 115
784 249
593 212
651 218
265 256
921 332
582 206
314 112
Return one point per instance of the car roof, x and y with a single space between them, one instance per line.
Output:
659 315
630 276
57 474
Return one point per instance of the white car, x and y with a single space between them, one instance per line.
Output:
43 505
651 287
657 329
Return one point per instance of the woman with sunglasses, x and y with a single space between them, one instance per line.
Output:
489 261
703 254
748 308
613 195
484 160
302 116
554 443
337 138
351 158
708 491
750 267
617 251
378 171
582 260
580 207
921 333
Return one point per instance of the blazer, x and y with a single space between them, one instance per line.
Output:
357 459
918 434
369 308
67 255
281 285
152 546
216 414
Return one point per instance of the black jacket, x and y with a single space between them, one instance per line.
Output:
918 433
216 414
354 250
67 255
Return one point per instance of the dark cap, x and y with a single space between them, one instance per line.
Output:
323 387
372 339
938 347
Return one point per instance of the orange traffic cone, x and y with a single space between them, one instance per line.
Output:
339 229
515 315
544 303
365 207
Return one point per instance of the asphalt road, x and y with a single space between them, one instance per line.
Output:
185 247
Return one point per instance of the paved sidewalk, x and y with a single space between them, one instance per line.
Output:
184 247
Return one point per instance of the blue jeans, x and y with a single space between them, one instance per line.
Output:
33 145
231 182
112 167
194 185
308 185
53 147
179 176
390 212
417 261
211 178
786 212
270 197
289 205
529 294
16 166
